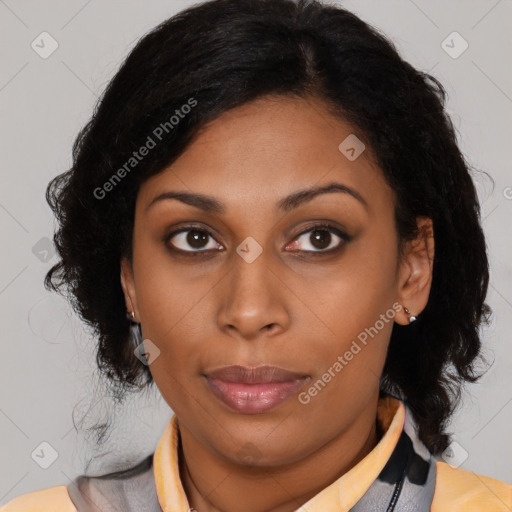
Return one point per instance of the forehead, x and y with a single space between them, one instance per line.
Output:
261 151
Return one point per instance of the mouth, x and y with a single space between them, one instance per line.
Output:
253 390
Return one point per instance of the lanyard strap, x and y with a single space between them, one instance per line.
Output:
406 483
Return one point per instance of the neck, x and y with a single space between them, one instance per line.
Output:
213 484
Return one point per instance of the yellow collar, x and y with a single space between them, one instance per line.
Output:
340 496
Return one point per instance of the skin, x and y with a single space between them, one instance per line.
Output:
282 309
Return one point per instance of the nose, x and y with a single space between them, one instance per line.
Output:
252 299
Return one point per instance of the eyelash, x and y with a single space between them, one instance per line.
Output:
327 227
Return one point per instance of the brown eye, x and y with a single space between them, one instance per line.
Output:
320 239
196 239
192 240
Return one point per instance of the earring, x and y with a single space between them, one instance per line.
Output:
136 335
412 318
136 329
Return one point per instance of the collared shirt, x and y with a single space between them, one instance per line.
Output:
456 490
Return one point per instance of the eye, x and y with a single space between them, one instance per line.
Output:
320 239
192 237
317 239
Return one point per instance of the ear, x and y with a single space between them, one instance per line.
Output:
415 272
128 285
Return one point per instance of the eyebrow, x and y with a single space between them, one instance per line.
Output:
211 205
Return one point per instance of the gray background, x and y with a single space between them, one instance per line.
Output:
47 363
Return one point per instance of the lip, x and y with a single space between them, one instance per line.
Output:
253 390
263 374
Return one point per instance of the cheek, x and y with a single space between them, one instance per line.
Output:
350 310
346 367
172 314
167 290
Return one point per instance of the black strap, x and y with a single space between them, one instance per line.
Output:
405 484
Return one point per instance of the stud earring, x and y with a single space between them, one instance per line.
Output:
412 318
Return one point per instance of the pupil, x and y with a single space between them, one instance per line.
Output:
195 238
319 240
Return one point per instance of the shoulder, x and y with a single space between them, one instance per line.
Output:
113 491
51 499
458 490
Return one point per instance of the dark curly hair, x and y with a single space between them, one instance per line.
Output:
220 54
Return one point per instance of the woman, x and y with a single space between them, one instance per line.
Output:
276 203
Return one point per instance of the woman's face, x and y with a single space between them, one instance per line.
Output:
256 285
